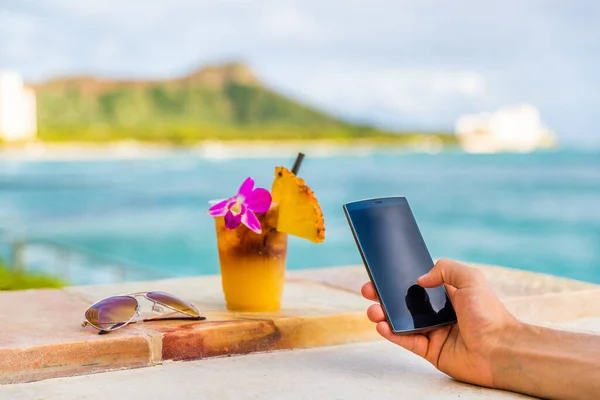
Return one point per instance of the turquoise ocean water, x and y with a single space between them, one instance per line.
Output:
539 212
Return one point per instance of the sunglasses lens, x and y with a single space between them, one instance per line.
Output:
112 313
173 302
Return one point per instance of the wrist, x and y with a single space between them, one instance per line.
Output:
514 341
545 362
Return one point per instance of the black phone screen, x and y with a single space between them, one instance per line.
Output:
395 255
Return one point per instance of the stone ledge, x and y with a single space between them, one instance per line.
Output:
506 282
374 370
45 339
42 338
72 358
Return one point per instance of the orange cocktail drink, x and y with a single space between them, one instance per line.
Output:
252 230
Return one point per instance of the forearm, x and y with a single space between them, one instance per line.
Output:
548 363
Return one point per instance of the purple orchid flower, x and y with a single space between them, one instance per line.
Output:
240 208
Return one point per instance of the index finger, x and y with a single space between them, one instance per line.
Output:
368 292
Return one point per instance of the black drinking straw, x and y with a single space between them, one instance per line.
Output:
297 163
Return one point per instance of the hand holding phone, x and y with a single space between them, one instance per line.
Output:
395 256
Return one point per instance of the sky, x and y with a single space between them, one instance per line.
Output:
400 64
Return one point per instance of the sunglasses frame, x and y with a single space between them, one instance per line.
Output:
134 295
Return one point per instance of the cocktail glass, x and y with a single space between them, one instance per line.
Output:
252 264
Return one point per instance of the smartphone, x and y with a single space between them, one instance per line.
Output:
395 255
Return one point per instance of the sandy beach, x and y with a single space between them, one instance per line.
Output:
74 151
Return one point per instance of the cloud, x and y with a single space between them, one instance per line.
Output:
291 24
386 95
108 48
18 24
108 11
17 36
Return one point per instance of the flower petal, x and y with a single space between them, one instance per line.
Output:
259 200
246 187
250 220
232 221
219 209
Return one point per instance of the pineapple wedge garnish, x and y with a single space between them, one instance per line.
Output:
299 211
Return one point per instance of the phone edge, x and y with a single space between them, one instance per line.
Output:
366 265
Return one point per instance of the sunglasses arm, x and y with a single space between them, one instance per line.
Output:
166 316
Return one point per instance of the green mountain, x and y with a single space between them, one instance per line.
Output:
217 102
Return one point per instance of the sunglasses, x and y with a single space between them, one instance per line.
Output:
115 312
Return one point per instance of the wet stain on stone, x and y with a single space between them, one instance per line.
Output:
224 338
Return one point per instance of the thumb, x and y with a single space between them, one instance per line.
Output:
451 273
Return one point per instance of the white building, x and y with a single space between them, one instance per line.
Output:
18 112
510 129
